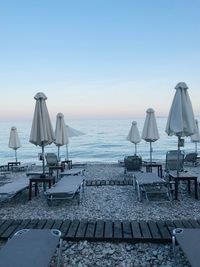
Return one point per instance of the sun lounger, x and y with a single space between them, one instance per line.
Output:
9 190
36 173
150 184
66 188
189 241
31 248
22 167
73 171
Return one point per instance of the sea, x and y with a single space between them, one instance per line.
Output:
104 141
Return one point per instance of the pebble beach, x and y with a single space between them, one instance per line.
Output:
109 202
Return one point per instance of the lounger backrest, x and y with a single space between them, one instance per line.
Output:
133 163
172 160
191 157
51 159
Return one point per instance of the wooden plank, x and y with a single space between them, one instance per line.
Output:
117 230
1 222
49 224
22 225
103 182
32 224
57 224
108 230
164 230
11 229
178 224
194 223
4 226
99 231
145 230
127 231
41 224
186 224
72 229
80 234
65 227
170 225
89 234
136 230
155 233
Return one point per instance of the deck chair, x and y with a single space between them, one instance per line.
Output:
9 190
66 188
191 159
189 241
132 163
73 171
31 248
51 159
171 161
151 185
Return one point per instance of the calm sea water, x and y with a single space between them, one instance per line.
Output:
104 141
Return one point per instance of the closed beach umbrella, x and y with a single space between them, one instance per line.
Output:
60 132
42 133
150 130
133 135
14 141
181 120
196 137
71 132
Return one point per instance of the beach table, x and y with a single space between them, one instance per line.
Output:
150 165
36 180
184 176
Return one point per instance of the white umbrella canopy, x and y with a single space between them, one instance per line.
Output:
71 132
150 130
181 120
60 132
196 137
42 133
133 135
14 141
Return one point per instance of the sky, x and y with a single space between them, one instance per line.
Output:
97 58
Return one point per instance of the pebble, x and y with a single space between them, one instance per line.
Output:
107 203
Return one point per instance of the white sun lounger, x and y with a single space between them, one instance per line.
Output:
73 171
66 188
32 248
9 190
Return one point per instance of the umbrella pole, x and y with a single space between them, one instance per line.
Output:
196 147
135 149
178 156
16 155
67 151
58 153
150 152
43 167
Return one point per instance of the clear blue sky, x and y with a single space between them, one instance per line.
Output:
98 58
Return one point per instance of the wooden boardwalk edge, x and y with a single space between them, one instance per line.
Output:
102 231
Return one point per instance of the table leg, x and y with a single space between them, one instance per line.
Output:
49 184
196 188
176 189
36 188
30 190
189 186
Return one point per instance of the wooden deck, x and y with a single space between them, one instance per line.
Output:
108 182
112 231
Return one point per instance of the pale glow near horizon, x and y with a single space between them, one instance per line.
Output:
98 59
